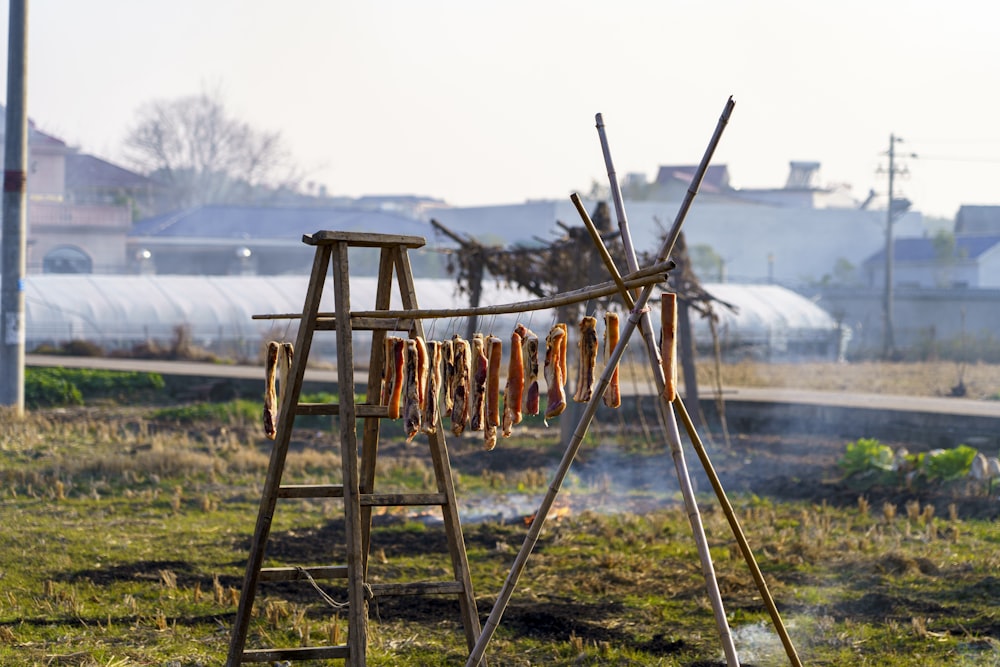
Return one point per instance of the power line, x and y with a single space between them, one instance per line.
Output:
951 158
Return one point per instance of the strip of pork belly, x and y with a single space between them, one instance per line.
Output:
529 355
397 360
270 414
447 373
554 378
668 344
432 395
612 333
480 370
461 384
514 389
411 391
494 347
587 364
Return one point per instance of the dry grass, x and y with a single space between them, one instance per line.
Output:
909 379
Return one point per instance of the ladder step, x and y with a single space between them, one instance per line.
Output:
365 499
299 573
325 322
418 588
400 499
311 491
360 410
300 653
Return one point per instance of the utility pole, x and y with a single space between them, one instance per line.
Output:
900 206
13 241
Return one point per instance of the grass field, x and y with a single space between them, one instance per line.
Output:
124 534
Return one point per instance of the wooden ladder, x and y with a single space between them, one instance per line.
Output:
357 490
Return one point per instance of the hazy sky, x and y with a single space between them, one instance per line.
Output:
481 102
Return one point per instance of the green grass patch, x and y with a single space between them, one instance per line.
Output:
125 536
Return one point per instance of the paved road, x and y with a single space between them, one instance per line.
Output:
941 405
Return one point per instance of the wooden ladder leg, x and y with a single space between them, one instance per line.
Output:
279 451
445 482
358 612
372 426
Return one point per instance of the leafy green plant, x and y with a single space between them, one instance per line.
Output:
949 464
866 455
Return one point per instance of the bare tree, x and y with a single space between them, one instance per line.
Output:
203 155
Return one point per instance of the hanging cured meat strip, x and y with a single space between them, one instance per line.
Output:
514 389
587 364
494 347
429 421
421 348
411 391
668 344
555 344
613 394
270 415
461 383
447 373
397 360
480 369
529 355
387 370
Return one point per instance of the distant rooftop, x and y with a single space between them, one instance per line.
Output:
923 249
277 223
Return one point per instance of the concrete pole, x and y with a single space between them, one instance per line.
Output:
888 332
13 241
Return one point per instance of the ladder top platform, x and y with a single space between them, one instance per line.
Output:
363 239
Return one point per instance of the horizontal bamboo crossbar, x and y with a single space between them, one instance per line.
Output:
648 276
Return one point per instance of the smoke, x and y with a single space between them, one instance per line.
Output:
759 644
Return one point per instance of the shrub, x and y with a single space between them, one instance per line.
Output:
71 386
49 390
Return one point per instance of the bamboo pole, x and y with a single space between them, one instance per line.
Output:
650 275
741 540
531 538
669 418
727 508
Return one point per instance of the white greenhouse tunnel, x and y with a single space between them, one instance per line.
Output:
119 312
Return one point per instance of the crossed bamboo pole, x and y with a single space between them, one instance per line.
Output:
652 349
706 462
637 314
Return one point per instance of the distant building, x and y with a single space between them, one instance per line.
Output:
978 220
972 262
258 240
797 235
80 207
801 190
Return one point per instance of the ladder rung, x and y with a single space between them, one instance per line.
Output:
360 410
311 491
325 322
393 499
300 653
296 573
418 588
